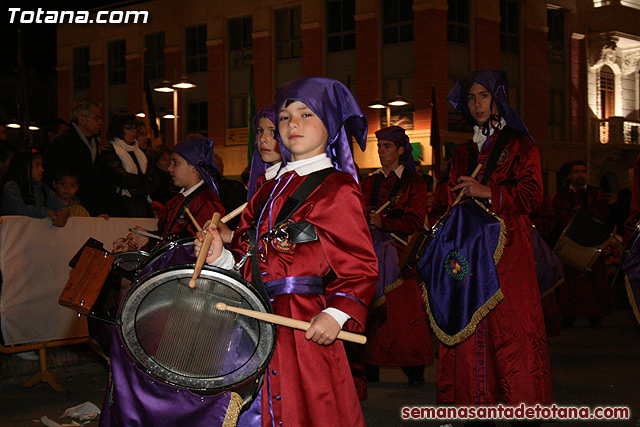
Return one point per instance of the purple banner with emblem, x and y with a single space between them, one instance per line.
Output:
459 270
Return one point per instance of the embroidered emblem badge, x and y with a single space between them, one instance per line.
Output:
503 156
456 265
280 240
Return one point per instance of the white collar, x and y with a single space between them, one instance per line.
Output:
307 166
398 171
272 170
188 191
479 138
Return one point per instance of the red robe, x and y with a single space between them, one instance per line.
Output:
202 207
506 359
311 384
404 339
582 295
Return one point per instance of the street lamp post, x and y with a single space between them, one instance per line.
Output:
396 101
166 86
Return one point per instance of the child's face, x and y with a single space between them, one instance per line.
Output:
267 144
36 169
66 187
302 131
184 175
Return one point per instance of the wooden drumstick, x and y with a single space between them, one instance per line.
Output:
461 193
288 322
202 256
144 233
381 208
193 220
234 213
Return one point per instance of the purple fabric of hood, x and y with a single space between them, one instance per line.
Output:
397 134
198 152
338 109
257 165
495 81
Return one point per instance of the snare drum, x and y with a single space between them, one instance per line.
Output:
189 356
583 240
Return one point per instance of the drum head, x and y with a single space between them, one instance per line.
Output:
176 334
130 261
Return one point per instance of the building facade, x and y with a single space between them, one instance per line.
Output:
573 68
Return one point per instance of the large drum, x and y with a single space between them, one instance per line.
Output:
583 241
176 334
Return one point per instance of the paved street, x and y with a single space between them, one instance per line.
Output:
591 367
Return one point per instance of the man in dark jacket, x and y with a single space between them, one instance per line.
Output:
76 150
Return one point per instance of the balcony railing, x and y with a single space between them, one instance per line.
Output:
617 130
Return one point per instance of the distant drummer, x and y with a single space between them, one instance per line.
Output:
506 360
404 339
582 295
192 168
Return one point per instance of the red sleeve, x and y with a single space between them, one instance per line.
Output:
346 244
413 203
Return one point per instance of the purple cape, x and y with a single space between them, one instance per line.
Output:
338 110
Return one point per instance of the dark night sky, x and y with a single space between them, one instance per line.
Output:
39 40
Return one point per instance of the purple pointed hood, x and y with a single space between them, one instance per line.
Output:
257 165
336 106
198 152
397 134
495 81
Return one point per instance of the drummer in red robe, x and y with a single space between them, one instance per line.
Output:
506 359
329 280
401 335
192 169
583 295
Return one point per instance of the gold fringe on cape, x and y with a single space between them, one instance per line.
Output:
468 330
553 288
632 300
233 410
377 303
485 308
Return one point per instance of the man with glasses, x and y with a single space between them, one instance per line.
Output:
76 150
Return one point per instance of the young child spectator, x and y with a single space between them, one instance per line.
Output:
23 192
330 280
66 185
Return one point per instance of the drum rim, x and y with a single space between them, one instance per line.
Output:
126 326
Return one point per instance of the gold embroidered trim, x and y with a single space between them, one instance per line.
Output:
233 411
377 303
468 330
632 299
502 239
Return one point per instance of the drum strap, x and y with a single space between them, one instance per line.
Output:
290 206
503 139
375 191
